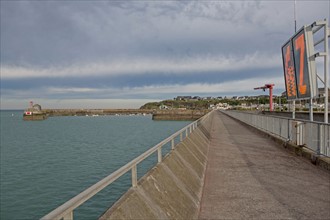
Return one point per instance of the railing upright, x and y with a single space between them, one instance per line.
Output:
134 176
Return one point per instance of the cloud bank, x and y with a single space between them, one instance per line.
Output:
71 50
147 65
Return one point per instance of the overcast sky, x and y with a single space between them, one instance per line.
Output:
117 54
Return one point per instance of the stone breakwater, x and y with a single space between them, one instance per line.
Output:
35 117
91 112
179 114
173 114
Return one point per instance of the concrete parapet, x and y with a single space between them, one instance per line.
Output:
172 189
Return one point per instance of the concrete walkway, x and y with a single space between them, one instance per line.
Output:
249 176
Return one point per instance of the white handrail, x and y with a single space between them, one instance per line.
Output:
65 211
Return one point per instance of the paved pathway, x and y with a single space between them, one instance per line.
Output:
251 177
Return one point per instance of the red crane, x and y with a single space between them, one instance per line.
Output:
270 87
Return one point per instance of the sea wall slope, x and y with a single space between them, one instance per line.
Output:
173 188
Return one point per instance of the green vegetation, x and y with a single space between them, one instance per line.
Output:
188 104
205 103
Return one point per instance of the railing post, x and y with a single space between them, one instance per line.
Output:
69 216
186 132
289 131
160 157
134 176
172 143
320 138
181 137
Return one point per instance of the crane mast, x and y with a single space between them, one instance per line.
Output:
270 87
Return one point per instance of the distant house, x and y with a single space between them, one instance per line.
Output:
197 98
263 96
322 91
183 98
163 107
222 106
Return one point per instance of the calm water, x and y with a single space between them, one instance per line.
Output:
45 163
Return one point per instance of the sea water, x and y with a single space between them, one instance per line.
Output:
45 163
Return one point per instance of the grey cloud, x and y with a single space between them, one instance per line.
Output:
62 32
38 33
53 33
57 34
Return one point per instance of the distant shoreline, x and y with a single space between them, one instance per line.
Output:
84 112
169 114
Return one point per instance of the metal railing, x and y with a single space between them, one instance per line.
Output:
313 135
65 211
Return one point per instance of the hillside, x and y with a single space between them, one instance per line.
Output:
205 103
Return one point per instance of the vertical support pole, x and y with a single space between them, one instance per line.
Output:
172 143
289 131
181 137
160 157
293 109
295 30
186 132
134 176
295 18
311 114
190 129
326 71
319 139
69 216
280 104
271 98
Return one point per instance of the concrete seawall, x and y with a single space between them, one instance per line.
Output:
172 114
83 112
179 114
172 189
